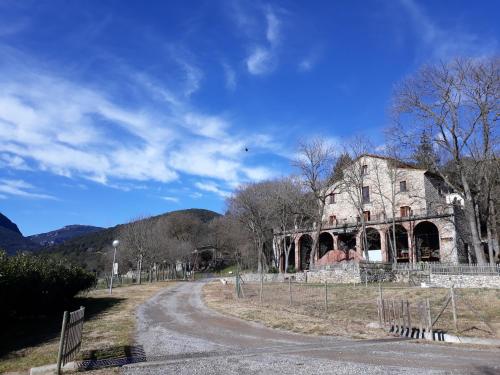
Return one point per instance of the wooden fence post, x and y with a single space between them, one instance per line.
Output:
326 296
394 316
261 286
290 289
410 330
429 318
61 342
454 307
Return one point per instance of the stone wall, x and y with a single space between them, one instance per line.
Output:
466 281
337 276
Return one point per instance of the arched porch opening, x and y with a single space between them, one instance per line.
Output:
427 241
402 250
346 243
325 243
305 247
374 244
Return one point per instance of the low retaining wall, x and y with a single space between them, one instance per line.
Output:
337 276
466 281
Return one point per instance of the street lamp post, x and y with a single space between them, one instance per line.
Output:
115 245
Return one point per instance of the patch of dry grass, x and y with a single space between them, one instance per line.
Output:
351 308
110 321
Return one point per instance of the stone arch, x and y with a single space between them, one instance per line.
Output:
426 236
402 250
325 243
305 247
374 243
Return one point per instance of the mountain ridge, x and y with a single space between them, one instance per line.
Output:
63 234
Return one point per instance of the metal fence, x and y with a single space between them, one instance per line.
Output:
477 311
448 269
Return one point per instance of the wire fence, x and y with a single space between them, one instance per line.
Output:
477 310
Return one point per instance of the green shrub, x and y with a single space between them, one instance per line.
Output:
35 284
290 269
273 269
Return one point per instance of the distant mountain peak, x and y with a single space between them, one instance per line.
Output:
63 234
6 223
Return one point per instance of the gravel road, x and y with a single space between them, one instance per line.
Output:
180 335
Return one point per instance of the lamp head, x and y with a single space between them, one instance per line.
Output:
116 243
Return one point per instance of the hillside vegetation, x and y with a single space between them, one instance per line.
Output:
91 250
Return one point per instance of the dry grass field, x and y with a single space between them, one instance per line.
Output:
351 310
110 322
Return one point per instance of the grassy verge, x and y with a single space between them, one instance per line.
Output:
351 310
110 322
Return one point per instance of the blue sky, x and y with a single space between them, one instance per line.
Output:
114 109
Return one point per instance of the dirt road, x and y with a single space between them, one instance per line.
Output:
181 335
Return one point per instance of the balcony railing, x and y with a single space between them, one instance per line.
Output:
377 217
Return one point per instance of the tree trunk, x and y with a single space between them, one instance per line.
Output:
471 218
319 227
394 243
491 254
140 270
364 238
492 226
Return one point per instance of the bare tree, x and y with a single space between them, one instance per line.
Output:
392 187
137 241
250 204
354 183
316 161
457 105
292 208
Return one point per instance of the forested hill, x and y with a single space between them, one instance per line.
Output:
88 250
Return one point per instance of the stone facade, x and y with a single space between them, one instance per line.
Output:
414 199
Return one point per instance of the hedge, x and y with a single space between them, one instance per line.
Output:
35 285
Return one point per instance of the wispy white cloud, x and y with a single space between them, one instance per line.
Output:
13 162
170 199
229 76
263 56
96 136
196 195
260 61
213 188
444 43
273 32
22 189
310 60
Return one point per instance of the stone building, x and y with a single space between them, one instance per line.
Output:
390 199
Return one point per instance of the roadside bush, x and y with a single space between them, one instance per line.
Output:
273 269
35 284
